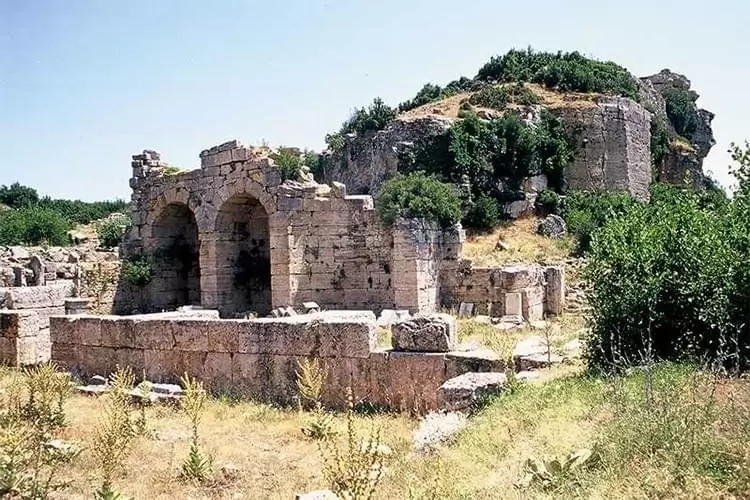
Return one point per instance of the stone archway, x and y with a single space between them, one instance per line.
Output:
174 253
243 257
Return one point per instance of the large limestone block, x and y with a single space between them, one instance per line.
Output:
223 336
554 291
65 356
464 391
426 333
217 374
118 332
24 323
302 336
33 297
515 278
153 334
412 380
474 360
191 334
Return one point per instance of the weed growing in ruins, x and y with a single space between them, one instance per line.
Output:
111 230
197 466
137 271
140 424
30 414
311 376
98 281
114 432
417 195
551 474
354 471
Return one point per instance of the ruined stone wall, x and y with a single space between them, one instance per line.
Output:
613 145
525 291
258 358
24 321
234 237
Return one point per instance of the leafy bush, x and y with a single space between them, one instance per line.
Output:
492 157
416 195
486 213
137 271
672 279
682 111
549 202
563 71
289 161
33 226
499 96
431 92
82 212
375 117
585 212
659 141
18 196
111 230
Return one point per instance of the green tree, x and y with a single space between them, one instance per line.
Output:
18 196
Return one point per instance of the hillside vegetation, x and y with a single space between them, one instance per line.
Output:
33 220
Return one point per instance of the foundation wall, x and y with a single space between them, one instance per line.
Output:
258 358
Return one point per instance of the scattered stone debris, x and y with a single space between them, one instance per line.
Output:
311 307
527 376
437 429
534 353
389 317
464 391
426 333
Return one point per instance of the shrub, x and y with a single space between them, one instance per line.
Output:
431 92
671 279
289 161
564 71
417 195
499 96
375 117
549 202
18 196
33 226
81 212
659 141
682 111
197 466
486 213
585 212
111 230
137 271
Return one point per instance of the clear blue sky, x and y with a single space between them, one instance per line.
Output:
86 83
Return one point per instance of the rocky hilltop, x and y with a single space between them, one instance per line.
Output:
652 130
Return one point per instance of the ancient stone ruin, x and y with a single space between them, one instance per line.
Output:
232 242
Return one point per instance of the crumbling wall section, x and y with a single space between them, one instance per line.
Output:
528 292
24 321
259 358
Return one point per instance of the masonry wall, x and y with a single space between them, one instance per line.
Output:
258 358
260 243
24 321
528 291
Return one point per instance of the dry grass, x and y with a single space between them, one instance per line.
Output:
524 245
274 459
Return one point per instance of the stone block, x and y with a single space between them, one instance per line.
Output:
63 330
248 373
34 297
515 278
414 379
474 360
118 332
163 365
512 304
532 303
96 360
153 334
190 334
131 358
217 371
19 323
554 290
464 391
223 336
65 356
465 309
88 331
426 333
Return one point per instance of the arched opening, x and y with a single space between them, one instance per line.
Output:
174 252
243 258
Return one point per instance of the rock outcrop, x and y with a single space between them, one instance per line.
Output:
366 162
